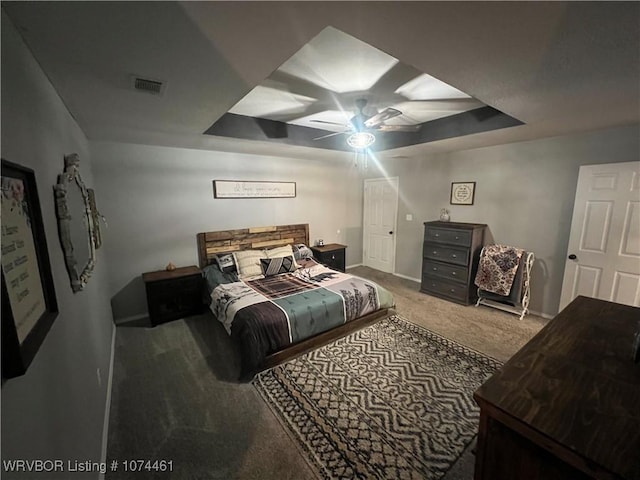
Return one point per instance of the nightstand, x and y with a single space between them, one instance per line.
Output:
332 255
173 294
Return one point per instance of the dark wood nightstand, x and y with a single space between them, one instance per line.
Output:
332 255
173 294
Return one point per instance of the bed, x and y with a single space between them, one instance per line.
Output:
279 302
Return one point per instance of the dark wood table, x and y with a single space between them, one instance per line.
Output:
567 405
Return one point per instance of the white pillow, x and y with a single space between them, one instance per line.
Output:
248 263
280 252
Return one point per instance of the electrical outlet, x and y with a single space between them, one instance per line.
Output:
409 217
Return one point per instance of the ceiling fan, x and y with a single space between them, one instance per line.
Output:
362 125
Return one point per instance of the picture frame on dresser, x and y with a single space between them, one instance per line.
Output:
29 305
462 193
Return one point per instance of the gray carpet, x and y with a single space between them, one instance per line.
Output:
175 396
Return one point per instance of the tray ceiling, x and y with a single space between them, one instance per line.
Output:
313 95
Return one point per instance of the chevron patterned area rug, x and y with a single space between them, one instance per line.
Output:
393 400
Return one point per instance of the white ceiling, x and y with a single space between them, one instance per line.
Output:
559 67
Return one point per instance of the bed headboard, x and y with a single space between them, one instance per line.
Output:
212 243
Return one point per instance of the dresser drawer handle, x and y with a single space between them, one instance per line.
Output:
453 273
454 256
437 235
435 269
333 257
433 284
435 252
453 290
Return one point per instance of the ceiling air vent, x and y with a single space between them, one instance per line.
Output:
154 87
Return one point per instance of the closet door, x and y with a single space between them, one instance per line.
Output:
379 224
603 258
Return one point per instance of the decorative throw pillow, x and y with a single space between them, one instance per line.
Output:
248 263
279 252
226 262
278 265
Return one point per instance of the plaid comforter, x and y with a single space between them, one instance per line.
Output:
265 315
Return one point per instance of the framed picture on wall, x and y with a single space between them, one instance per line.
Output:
242 189
462 193
29 304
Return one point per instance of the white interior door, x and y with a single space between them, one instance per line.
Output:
603 259
380 215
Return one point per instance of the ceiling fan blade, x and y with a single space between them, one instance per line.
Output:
381 117
329 123
454 105
329 135
398 128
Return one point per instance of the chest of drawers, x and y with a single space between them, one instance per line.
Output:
450 256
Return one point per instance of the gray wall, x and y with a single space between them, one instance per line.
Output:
160 198
56 410
524 192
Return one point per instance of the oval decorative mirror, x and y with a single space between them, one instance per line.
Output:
75 223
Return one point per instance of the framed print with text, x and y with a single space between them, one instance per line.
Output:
242 189
29 304
462 193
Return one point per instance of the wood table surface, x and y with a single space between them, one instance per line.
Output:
574 389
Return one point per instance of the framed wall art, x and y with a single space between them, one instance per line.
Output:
462 193
29 304
242 189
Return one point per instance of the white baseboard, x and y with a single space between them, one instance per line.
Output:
394 273
538 314
132 318
353 266
417 280
543 315
407 277
107 407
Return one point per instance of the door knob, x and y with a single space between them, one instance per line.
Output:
572 257
391 232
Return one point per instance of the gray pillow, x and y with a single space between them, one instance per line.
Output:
214 277
301 251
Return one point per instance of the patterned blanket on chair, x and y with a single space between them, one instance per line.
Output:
497 268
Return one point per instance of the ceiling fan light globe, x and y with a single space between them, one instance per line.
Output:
361 139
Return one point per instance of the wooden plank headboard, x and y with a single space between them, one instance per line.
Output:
212 243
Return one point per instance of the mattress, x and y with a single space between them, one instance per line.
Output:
265 315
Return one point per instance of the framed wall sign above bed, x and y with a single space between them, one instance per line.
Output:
241 189
279 302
